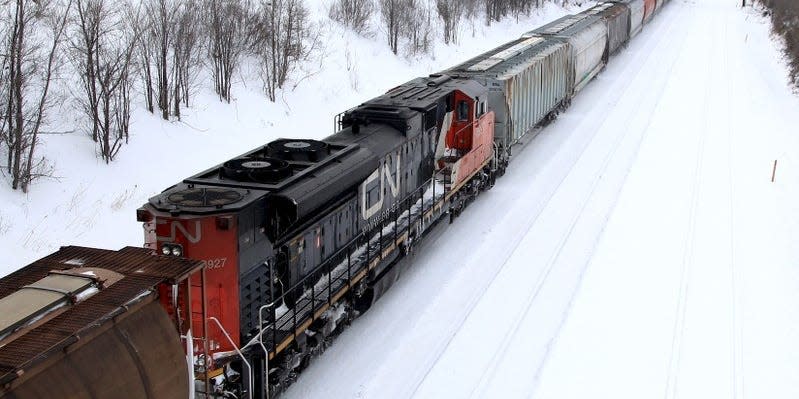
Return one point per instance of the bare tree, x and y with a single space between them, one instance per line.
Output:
419 26
144 50
102 52
495 10
409 21
282 38
31 47
785 22
157 44
225 25
450 12
353 13
5 79
394 17
185 53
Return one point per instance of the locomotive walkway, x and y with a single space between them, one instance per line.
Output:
636 248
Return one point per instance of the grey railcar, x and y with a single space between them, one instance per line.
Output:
588 36
636 15
617 19
528 79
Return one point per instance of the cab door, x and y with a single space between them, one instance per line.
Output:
460 136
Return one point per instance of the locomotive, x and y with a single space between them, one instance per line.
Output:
296 238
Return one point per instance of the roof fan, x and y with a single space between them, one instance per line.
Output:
259 170
297 150
202 197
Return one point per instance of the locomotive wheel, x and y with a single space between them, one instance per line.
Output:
362 303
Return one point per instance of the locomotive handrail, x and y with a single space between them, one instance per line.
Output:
304 311
261 342
241 355
347 246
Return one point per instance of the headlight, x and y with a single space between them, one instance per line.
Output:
172 249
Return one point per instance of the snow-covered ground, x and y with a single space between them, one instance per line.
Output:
636 248
89 203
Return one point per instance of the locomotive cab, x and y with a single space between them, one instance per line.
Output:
466 140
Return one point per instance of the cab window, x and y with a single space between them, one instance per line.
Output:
463 110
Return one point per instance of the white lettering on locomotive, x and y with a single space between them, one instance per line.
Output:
177 225
384 174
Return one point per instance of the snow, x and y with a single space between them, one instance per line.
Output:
89 203
636 247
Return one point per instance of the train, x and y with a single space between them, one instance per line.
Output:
251 268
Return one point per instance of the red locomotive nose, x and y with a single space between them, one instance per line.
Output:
214 292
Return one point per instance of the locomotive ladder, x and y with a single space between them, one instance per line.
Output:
199 323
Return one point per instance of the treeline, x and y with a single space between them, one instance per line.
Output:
414 22
108 56
109 49
785 21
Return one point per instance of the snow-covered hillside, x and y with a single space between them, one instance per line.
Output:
89 203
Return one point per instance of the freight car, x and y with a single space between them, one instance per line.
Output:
635 14
529 79
296 238
587 37
87 323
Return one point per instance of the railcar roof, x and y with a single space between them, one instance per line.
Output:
609 9
511 55
138 272
566 26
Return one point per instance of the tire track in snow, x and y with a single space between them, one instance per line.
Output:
737 352
475 299
678 331
490 371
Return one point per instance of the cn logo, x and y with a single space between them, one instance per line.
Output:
384 174
176 226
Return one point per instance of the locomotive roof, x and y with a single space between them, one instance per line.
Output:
120 279
419 94
370 131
